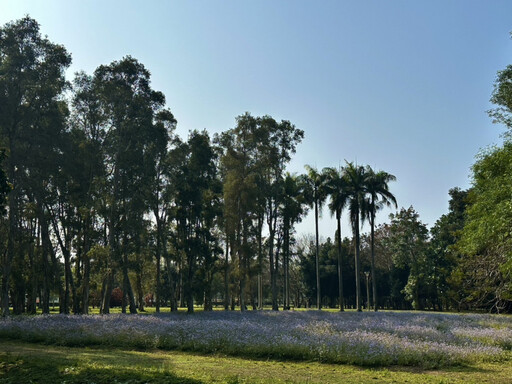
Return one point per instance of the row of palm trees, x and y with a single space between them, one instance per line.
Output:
362 192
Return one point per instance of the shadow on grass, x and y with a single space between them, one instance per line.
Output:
26 369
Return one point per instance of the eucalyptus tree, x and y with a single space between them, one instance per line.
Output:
241 190
31 112
378 196
338 192
277 143
356 182
85 174
257 151
160 196
129 106
317 195
196 210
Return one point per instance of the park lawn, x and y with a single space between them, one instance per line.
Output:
22 362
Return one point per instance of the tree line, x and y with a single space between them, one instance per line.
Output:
104 204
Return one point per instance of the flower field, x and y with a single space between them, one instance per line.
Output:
369 339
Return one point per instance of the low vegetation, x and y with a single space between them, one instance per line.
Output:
369 339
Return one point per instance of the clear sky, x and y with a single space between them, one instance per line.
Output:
400 85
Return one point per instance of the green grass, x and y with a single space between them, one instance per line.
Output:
34 363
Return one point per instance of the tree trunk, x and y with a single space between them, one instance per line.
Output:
357 265
260 262
32 294
286 259
374 279
317 266
87 270
157 283
9 254
271 221
107 292
127 287
188 293
340 263
158 260
173 301
226 276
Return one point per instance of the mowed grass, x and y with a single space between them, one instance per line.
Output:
22 362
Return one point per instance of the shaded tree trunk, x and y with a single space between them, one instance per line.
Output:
357 265
340 264
226 276
374 279
317 266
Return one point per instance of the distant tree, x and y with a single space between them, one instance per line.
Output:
444 235
408 242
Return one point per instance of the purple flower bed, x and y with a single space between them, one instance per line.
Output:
385 338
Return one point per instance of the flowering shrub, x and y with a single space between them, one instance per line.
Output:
428 340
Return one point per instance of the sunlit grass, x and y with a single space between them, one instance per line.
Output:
24 363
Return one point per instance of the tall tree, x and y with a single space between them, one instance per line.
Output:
160 195
356 176
281 140
129 105
258 150
241 192
31 83
378 197
317 196
197 210
292 209
338 191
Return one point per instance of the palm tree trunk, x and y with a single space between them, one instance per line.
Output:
357 266
317 267
374 280
340 274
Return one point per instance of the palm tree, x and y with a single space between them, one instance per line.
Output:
292 210
317 196
378 197
337 189
355 176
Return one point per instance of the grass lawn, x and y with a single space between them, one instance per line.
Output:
22 362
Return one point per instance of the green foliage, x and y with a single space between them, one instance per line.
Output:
408 243
502 98
486 239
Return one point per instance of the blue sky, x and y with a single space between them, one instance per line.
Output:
400 85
